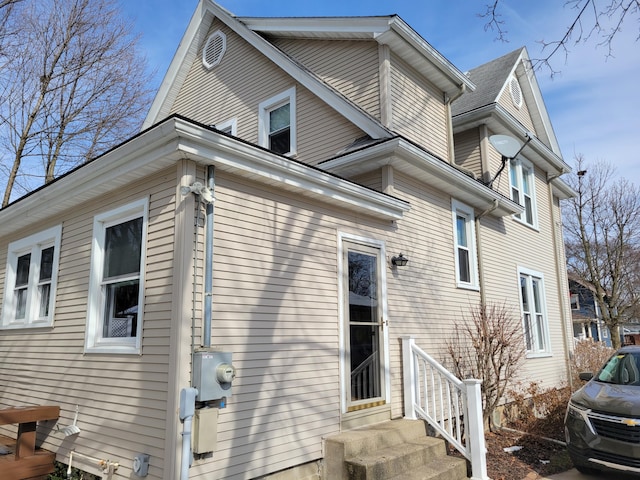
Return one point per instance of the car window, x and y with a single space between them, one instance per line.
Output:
621 369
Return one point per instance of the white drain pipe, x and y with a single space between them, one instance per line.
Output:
187 411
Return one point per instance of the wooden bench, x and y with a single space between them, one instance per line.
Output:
24 461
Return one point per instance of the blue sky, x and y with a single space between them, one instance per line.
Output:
593 102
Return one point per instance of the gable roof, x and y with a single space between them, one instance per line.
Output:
492 78
481 107
389 30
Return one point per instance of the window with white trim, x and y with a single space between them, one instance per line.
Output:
522 190
534 315
465 245
228 126
116 289
277 123
30 281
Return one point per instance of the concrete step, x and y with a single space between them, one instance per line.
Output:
446 468
388 462
374 437
397 449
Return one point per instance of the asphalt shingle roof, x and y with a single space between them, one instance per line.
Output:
489 80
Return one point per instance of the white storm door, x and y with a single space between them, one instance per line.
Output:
363 327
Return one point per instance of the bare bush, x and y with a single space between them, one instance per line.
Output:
488 346
588 356
538 411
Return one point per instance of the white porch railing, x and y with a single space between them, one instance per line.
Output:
365 378
451 406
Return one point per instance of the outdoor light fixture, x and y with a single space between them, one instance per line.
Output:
399 261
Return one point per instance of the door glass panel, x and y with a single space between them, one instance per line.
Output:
364 326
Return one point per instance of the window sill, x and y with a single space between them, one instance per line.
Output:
114 350
26 326
534 227
468 286
539 355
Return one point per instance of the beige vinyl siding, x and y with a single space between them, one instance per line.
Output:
509 244
243 79
121 398
418 110
275 306
371 179
351 67
467 151
424 300
521 114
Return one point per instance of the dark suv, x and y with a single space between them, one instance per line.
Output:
602 424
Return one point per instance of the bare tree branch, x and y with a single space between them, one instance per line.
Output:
602 237
72 85
601 19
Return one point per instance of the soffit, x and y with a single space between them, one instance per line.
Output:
177 138
386 30
412 161
501 122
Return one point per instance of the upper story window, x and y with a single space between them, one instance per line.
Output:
31 277
277 123
116 293
465 245
575 301
522 190
534 316
228 126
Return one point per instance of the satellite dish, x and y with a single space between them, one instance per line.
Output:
506 146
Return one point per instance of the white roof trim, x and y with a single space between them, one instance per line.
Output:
540 116
386 30
500 121
208 10
178 138
410 159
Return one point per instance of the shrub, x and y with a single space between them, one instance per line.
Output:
488 347
538 411
588 356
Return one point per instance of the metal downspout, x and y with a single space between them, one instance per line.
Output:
483 293
561 290
208 261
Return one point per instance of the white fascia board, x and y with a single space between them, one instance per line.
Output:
331 97
226 153
524 62
399 152
562 190
182 59
359 27
143 155
175 139
420 44
509 125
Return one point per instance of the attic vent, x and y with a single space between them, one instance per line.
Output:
516 93
214 49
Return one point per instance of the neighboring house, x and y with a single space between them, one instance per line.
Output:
338 145
587 320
